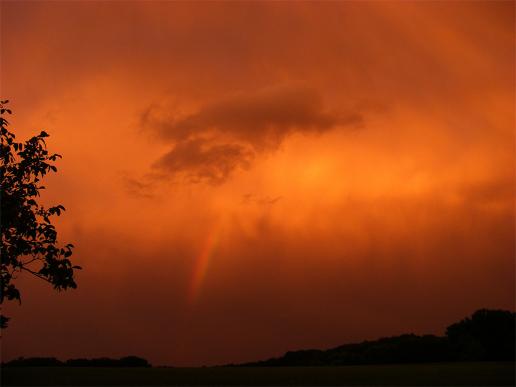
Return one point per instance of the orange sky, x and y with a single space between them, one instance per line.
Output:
243 179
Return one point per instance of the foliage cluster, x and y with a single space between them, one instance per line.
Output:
29 239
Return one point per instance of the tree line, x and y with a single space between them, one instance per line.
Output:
488 335
127 361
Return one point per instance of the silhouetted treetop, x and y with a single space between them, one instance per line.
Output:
486 335
29 239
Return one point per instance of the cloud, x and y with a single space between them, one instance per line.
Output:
495 190
249 198
263 118
141 189
199 160
227 134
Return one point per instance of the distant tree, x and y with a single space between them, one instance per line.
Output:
29 240
486 335
127 361
134 361
34 362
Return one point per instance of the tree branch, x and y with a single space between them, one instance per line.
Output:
36 274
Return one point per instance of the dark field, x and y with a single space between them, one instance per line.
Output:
394 375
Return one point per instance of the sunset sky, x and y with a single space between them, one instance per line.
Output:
242 179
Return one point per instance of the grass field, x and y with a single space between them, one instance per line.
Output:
441 374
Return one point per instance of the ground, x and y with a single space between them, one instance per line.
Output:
441 374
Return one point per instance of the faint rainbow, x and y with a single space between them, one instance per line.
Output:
202 263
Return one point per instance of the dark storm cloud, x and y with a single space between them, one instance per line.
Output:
240 126
262 118
199 160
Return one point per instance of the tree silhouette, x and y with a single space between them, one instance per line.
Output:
486 335
29 240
